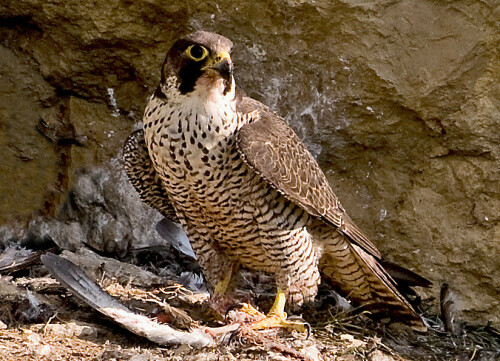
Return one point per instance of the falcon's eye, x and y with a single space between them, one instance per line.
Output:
197 52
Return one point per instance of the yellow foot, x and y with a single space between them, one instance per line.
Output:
276 317
275 320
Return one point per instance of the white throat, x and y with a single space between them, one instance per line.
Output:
207 101
204 111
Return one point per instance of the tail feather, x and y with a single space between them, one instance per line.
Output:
403 276
361 277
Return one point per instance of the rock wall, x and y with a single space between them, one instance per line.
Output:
398 100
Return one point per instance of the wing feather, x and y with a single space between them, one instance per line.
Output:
276 153
142 175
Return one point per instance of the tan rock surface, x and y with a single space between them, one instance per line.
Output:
399 101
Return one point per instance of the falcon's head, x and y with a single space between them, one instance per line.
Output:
199 60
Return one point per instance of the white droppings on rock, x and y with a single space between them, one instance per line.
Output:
257 51
112 101
383 214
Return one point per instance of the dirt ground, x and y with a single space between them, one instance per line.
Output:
41 320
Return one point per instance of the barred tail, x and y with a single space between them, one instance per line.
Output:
361 277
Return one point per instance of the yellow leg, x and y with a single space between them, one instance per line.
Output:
219 302
278 308
276 316
221 286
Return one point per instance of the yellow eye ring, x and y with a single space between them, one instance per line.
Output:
197 52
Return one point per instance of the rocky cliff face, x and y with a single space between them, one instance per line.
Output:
398 100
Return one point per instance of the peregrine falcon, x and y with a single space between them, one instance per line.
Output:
247 191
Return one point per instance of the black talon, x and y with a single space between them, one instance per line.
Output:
232 335
308 327
301 320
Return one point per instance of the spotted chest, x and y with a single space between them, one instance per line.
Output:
196 157
222 203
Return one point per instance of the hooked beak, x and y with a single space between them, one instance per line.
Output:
221 63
